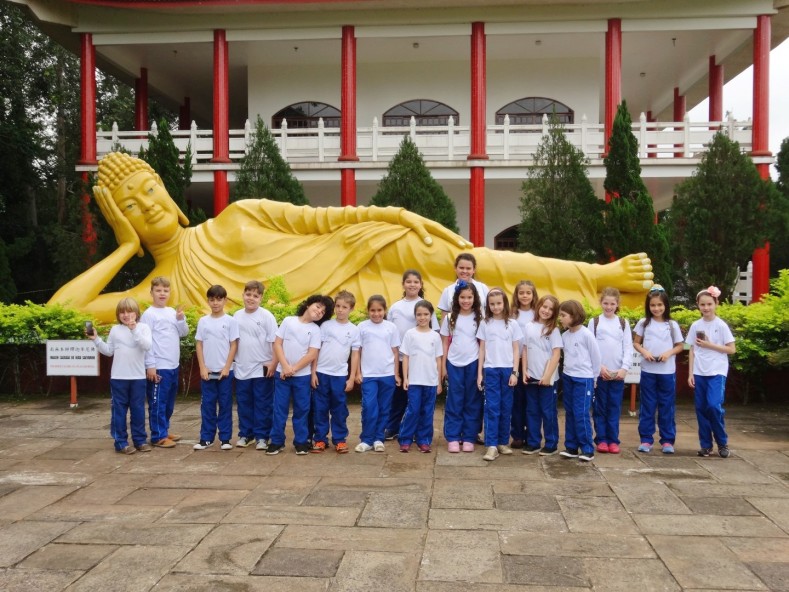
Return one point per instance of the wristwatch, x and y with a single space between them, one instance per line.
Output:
515 373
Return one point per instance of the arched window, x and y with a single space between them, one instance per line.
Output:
425 112
306 115
529 111
507 239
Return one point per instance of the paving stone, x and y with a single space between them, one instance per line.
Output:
776 510
20 539
496 520
109 489
252 462
319 516
473 495
136 533
575 545
333 498
29 477
734 470
200 482
704 562
65 557
414 465
771 461
156 496
649 498
316 563
522 501
397 540
368 485
216 583
313 465
424 586
230 549
26 500
461 555
526 569
130 569
704 525
205 506
754 549
558 487
557 467
596 515
395 510
721 506
6 488
712 489
626 575
25 580
66 510
656 475
774 575
286 491
368 570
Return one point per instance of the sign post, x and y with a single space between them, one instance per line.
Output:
633 377
72 358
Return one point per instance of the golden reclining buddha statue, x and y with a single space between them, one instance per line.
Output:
316 250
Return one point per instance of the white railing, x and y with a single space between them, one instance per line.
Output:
450 142
743 288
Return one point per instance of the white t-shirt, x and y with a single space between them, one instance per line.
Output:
445 302
403 315
128 350
705 361
297 339
539 349
464 348
377 340
524 318
615 343
166 332
658 337
257 331
581 354
216 333
337 341
422 349
498 337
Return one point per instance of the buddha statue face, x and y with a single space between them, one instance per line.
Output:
144 201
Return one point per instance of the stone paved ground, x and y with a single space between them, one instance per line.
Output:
76 516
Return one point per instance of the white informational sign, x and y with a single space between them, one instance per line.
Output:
633 375
72 358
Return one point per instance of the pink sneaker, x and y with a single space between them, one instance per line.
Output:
613 448
468 446
424 448
453 446
603 447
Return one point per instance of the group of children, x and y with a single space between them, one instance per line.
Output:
500 357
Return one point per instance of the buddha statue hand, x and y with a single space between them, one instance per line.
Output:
121 226
427 229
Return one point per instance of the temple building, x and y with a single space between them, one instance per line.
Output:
341 82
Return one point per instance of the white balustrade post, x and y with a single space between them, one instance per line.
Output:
686 136
451 137
247 136
584 132
193 140
544 124
730 126
506 137
412 132
321 151
375 139
642 135
283 139
114 133
154 129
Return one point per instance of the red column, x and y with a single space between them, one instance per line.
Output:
221 120
761 118
348 122
613 74
141 101
87 150
478 134
716 90
185 114
680 105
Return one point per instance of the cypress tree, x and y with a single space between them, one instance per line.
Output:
162 154
779 239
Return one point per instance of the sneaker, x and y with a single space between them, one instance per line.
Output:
603 447
144 447
363 447
378 446
569 453
586 456
613 448
261 445
274 449
390 435
645 447
453 446
244 442
164 443
174 437
516 443
468 446
302 449
504 449
203 444
480 440
492 453
545 451
723 451
530 449
318 447
667 448
704 452
341 448
405 448
226 445
424 448
127 450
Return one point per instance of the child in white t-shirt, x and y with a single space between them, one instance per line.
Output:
522 307
422 352
465 268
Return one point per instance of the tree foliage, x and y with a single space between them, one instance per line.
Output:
720 215
779 238
263 173
409 184
561 216
630 215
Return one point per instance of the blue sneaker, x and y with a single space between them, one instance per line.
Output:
668 448
645 447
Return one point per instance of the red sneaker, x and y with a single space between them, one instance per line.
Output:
603 447
613 448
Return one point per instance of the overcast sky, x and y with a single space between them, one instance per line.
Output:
738 97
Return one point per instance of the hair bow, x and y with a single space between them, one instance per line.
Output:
714 291
461 285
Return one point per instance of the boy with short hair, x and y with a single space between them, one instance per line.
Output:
216 342
330 378
254 369
168 326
